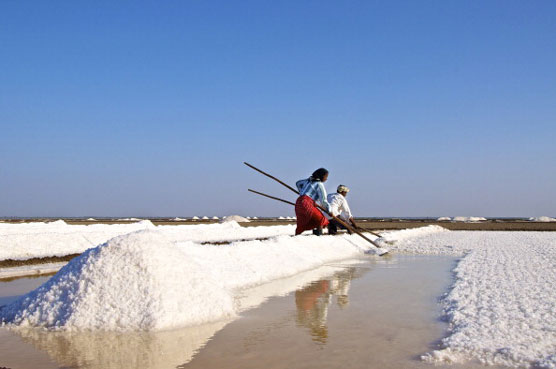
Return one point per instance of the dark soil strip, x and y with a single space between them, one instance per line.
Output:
10 263
226 242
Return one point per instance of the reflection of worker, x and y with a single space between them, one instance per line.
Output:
339 208
312 302
312 309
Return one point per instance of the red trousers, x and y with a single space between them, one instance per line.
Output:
308 215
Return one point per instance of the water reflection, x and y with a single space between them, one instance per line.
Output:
167 349
313 301
171 349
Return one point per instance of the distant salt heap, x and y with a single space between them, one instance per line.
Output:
469 219
233 218
131 282
444 219
542 219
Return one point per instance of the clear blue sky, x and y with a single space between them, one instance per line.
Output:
133 108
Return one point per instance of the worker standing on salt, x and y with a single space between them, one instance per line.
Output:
311 191
339 207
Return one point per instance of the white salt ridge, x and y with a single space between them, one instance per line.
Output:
502 306
130 282
30 240
36 240
444 219
542 219
393 236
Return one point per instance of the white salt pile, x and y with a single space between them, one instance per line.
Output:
444 219
233 218
139 281
542 219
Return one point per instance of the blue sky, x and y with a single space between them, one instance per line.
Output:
429 108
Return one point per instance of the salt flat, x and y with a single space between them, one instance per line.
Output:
501 306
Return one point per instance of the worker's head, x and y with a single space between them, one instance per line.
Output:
343 190
320 174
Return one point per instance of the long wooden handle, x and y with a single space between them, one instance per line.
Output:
351 229
271 197
274 178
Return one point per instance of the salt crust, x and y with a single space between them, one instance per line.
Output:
501 308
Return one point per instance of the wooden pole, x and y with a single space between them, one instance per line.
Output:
348 227
270 197
274 178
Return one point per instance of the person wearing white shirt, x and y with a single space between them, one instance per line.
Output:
339 207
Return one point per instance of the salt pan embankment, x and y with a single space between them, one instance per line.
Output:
149 280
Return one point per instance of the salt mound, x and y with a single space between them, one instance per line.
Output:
147 224
542 219
468 219
57 223
234 218
444 219
138 281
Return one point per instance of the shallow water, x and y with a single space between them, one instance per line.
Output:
381 313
